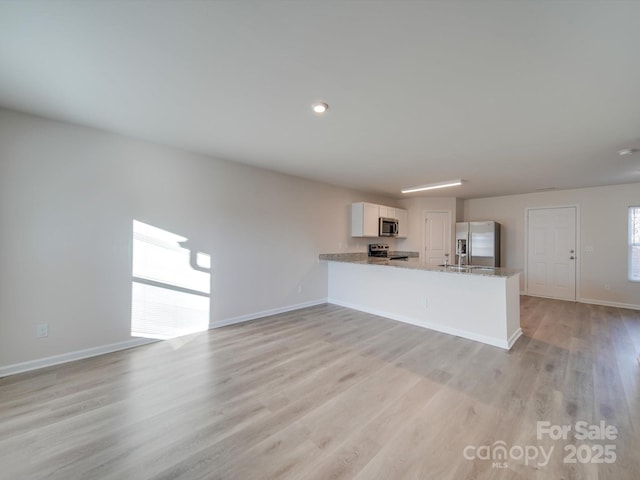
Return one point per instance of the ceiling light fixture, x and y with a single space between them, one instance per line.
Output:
432 186
628 151
320 107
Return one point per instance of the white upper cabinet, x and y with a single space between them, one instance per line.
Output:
387 212
403 222
364 219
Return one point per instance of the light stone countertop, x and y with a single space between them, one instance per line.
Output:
414 263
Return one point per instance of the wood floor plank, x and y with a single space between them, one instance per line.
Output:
331 393
356 449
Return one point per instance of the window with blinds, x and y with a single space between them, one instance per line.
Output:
170 288
634 244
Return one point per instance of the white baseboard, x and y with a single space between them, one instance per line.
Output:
71 356
266 313
136 342
593 301
495 342
517 334
606 303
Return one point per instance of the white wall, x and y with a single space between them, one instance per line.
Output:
603 226
68 196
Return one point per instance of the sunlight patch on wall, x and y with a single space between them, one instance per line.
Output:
170 288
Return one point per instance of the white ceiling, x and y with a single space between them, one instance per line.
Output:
509 96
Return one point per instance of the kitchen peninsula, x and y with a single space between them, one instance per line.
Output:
477 303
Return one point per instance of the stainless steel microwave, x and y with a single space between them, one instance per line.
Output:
388 227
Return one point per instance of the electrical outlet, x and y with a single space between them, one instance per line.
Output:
607 286
42 330
299 288
588 249
426 303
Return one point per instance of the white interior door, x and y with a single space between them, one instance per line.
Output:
437 237
551 252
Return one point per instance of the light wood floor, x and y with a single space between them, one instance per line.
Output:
331 393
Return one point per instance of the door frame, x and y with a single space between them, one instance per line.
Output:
526 245
424 232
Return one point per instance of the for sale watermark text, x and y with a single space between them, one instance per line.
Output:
581 431
585 446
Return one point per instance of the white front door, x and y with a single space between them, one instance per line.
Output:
551 252
437 237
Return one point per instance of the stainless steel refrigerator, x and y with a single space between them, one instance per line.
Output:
478 243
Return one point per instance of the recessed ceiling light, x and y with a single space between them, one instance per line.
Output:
432 186
628 151
320 107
